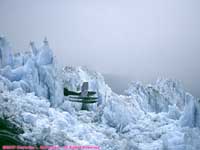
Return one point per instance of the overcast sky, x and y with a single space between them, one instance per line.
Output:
139 40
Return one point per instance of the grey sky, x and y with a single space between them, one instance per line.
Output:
139 40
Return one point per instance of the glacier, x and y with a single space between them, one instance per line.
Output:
157 116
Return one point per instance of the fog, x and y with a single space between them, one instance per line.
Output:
126 39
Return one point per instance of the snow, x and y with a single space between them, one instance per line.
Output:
158 116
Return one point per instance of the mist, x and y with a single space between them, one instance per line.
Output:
126 39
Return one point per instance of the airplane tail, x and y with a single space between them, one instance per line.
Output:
84 89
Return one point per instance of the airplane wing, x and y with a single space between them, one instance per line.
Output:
84 101
67 92
90 93
84 98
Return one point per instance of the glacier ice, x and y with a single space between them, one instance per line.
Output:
6 57
191 114
34 72
158 116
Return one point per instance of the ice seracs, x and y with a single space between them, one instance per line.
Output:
191 113
34 49
158 116
6 57
45 55
34 71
